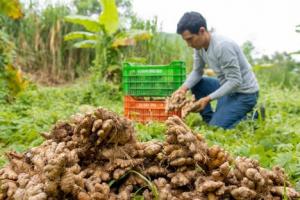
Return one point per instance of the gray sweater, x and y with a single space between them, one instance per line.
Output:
226 58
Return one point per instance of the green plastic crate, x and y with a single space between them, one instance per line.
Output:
152 80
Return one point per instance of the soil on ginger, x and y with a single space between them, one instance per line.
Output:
97 156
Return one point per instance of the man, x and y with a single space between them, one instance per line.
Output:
236 89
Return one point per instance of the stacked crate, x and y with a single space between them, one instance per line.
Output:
146 87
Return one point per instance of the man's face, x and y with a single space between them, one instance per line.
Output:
193 40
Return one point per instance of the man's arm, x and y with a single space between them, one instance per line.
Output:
197 72
195 75
231 69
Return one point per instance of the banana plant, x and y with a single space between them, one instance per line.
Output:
105 36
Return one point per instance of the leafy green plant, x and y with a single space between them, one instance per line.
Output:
40 48
11 79
278 70
248 49
151 131
104 35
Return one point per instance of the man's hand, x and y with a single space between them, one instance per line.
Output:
182 90
200 104
179 95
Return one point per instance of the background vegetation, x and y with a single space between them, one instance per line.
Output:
59 80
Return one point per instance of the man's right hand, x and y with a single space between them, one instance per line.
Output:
182 90
177 99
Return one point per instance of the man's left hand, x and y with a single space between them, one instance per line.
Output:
200 104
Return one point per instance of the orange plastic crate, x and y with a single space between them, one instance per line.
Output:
142 110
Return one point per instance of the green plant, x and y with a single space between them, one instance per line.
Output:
106 38
151 186
248 48
279 70
40 48
11 79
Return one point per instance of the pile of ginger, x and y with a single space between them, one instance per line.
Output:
96 156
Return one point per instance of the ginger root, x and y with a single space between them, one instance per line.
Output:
179 102
96 156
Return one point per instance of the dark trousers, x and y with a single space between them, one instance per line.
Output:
231 108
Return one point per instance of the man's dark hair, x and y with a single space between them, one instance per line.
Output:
191 21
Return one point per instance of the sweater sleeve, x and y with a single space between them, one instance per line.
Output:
228 59
197 72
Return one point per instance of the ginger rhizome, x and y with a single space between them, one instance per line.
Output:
180 102
97 156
